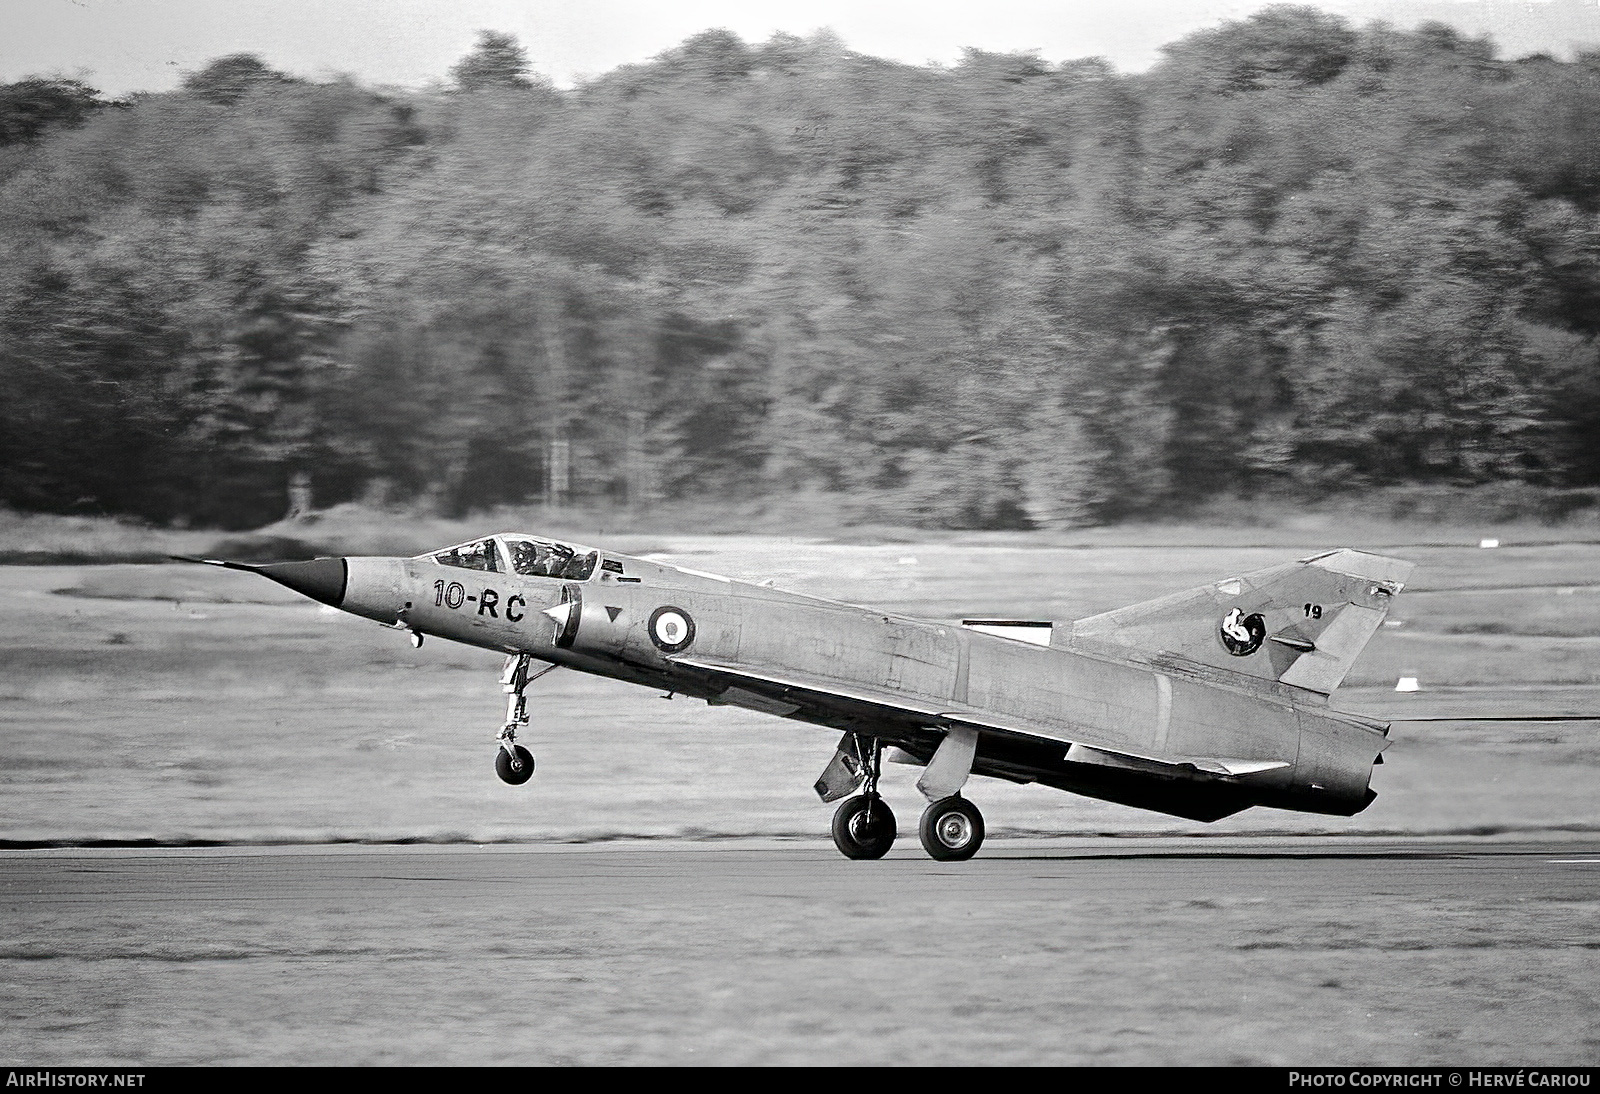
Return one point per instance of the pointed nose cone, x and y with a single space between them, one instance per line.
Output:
321 579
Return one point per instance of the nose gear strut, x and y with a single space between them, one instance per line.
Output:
513 763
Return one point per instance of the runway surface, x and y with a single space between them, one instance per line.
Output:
1217 950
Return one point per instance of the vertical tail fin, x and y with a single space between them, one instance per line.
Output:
1302 623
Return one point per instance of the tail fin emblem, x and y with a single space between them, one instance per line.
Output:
1242 634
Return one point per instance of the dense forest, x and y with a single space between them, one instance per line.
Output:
1296 258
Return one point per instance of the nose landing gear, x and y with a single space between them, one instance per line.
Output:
513 763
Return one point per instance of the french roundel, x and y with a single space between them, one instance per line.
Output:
671 629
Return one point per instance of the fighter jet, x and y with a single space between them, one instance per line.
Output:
1199 705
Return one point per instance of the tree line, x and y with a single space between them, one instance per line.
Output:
1297 258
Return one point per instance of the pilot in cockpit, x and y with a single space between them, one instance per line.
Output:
525 558
540 559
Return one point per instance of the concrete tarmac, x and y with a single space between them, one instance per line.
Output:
1237 950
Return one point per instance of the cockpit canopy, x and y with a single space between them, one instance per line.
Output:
548 558
527 555
478 555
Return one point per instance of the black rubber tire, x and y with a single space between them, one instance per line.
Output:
860 834
951 829
502 765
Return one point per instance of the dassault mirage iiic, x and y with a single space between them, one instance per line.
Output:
1199 704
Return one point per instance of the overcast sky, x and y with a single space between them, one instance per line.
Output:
121 46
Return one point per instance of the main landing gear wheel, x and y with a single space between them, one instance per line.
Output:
514 767
951 829
863 827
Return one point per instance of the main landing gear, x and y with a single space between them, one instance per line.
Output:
951 829
513 763
863 826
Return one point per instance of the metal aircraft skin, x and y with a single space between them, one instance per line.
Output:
1199 704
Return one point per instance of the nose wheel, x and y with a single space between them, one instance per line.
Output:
514 764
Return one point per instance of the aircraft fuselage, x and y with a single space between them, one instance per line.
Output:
1064 714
